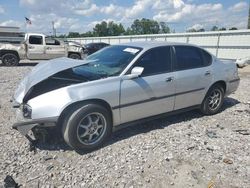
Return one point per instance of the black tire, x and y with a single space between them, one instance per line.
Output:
74 56
71 129
10 59
209 105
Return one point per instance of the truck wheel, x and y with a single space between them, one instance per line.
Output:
10 59
87 127
74 56
213 100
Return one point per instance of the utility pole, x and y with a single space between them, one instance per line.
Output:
249 17
53 29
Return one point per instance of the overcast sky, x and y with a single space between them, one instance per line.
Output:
82 15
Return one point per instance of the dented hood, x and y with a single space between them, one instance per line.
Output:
41 72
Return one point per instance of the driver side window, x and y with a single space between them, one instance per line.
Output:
155 61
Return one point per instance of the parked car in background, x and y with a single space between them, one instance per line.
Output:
121 84
37 47
91 48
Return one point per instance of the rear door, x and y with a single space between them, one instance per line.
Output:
193 75
36 47
54 48
153 92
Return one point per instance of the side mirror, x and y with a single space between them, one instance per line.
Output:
135 73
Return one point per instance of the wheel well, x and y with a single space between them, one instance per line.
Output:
69 53
79 104
222 83
3 52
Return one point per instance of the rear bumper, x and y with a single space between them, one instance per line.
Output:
232 86
24 125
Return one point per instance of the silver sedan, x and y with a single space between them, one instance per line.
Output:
120 85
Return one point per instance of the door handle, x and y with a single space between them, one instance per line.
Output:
169 79
31 47
48 48
207 73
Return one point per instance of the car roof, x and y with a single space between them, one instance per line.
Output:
152 44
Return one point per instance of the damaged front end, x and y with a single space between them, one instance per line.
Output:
43 78
44 92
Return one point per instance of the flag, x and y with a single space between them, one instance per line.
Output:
28 21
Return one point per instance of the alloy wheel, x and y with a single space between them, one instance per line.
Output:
91 128
214 99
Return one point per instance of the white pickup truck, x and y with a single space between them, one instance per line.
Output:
37 47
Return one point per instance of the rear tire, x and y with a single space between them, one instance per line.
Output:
213 100
74 56
86 128
10 59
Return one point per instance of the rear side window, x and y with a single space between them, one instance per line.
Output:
188 57
51 41
35 39
155 61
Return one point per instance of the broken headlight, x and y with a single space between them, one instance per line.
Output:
27 110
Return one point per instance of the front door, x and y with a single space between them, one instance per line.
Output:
153 92
35 47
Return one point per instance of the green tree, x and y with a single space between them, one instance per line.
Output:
101 29
191 30
214 28
222 29
115 29
73 34
233 28
108 29
201 30
164 28
145 26
87 34
128 31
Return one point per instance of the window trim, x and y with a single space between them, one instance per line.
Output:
201 53
163 72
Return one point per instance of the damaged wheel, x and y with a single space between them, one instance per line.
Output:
87 128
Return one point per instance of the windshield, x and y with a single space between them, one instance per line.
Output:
110 61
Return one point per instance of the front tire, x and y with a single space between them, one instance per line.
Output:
213 100
10 59
74 56
87 127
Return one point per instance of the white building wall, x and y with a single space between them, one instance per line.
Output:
223 44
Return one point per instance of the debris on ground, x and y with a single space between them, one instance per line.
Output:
243 131
211 134
172 152
228 161
9 182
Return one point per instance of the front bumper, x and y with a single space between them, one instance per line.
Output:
24 125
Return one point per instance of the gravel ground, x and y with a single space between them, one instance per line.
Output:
186 150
